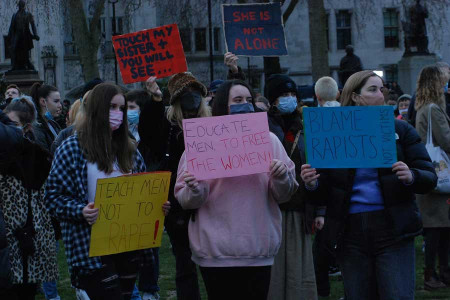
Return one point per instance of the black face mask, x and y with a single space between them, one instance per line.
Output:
190 100
189 114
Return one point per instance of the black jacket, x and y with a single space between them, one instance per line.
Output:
158 136
43 134
335 187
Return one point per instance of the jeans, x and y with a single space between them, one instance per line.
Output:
115 280
240 283
149 273
374 264
186 270
135 295
50 290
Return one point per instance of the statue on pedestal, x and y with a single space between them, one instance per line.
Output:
21 39
416 40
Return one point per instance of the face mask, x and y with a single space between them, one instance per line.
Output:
133 117
48 115
287 105
115 119
190 100
446 88
244 108
403 111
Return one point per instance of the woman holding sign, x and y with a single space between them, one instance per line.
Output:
374 209
236 231
100 148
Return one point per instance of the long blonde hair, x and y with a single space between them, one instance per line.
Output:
429 88
175 113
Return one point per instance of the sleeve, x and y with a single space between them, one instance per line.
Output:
282 188
418 161
11 141
139 163
239 75
187 197
441 128
60 191
150 128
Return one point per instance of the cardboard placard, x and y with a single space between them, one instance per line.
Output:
350 137
227 146
254 29
130 213
152 52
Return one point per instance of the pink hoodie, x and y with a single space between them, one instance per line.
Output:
238 221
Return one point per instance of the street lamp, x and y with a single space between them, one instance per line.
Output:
113 2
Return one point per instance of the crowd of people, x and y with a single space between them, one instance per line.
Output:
251 237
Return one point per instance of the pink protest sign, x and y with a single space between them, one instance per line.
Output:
227 146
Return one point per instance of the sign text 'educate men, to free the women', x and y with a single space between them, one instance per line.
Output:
227 146
350 137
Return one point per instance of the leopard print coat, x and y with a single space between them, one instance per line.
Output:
42 265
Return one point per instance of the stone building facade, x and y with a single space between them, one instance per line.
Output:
372 27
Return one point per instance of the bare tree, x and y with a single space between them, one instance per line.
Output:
318 39
86 37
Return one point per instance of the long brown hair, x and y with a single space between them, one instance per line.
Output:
100 144
354 84
430 88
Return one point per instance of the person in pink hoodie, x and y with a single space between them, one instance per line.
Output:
236 230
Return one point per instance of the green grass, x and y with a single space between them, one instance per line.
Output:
167 278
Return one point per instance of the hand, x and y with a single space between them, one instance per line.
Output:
153 88
309 176
403 172
318 222
166 208
277 168
231 62
90 213
190 180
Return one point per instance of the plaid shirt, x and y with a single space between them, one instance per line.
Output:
66 195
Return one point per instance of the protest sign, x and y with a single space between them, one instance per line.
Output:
152 52
254 29
227 146
350 137
130 213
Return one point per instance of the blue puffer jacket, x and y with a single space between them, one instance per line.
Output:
335 187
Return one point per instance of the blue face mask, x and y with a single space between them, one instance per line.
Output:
133 117
287 105
48 115
244 108
446 88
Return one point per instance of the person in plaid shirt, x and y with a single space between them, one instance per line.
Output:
100 148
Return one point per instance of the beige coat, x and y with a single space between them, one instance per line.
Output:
433 206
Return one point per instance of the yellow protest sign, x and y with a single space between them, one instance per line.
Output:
130 213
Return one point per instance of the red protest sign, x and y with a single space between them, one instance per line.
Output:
152 52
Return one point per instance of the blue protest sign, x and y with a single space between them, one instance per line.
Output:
350 137
254 29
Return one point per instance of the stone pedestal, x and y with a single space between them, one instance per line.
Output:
409 68
23 79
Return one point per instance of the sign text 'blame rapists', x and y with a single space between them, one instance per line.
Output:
152 52
350 137
130 213
227 146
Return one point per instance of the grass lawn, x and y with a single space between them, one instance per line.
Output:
167 278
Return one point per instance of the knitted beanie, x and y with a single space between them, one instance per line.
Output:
178 84
277 85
